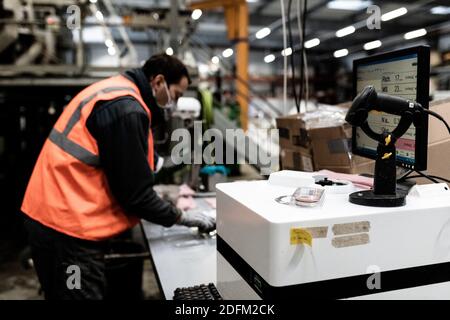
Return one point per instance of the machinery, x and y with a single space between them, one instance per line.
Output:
334 250
336 240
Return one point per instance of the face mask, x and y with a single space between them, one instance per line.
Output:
170 103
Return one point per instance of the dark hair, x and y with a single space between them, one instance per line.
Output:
170 67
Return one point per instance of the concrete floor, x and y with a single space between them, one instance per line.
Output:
18 283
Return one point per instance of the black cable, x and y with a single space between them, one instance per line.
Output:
434 114
404 176
291 45
431 176
423 175
302 51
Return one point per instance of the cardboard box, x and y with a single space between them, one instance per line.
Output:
292 131
438 142
330 149
300 159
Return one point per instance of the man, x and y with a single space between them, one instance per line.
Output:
93 178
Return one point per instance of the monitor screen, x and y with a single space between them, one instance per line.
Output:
394 74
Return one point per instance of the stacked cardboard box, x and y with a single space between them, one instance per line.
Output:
295 145
306 146
311 142
438 142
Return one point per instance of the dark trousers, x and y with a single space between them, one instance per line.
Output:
67 267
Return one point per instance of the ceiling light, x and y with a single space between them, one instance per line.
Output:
312 43
372 45
111 51
196 14
169 51
227 53
215 60
440 10
252 1
415 34
340 53
264 32
109 43
286 52
351 5
99 15
93 1
345 31
269 58
394 14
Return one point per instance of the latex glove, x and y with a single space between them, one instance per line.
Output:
197 219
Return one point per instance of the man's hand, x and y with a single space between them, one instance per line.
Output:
197 219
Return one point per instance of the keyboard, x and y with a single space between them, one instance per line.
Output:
200 292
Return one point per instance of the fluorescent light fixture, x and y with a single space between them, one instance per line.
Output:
345 31
372 45
215 60
269 58
99 15
415 34
169 51
227 53
312 43
196 14
264 32
93 1
440 10
351 5
286 52
111 51
340 53
394 14
252 1
109 43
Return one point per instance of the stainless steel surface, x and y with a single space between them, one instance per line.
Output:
181 256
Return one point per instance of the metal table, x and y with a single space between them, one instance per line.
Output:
181 257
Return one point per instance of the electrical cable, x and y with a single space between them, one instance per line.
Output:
302 50
423 175
428 176
434 114
405 175
302 36
283 19
291 45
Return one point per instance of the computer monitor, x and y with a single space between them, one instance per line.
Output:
404 73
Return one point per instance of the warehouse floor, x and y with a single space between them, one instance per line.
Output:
19 283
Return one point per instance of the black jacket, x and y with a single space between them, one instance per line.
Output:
121 127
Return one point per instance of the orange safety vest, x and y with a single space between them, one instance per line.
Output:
68 190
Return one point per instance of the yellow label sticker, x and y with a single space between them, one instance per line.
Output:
301 236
